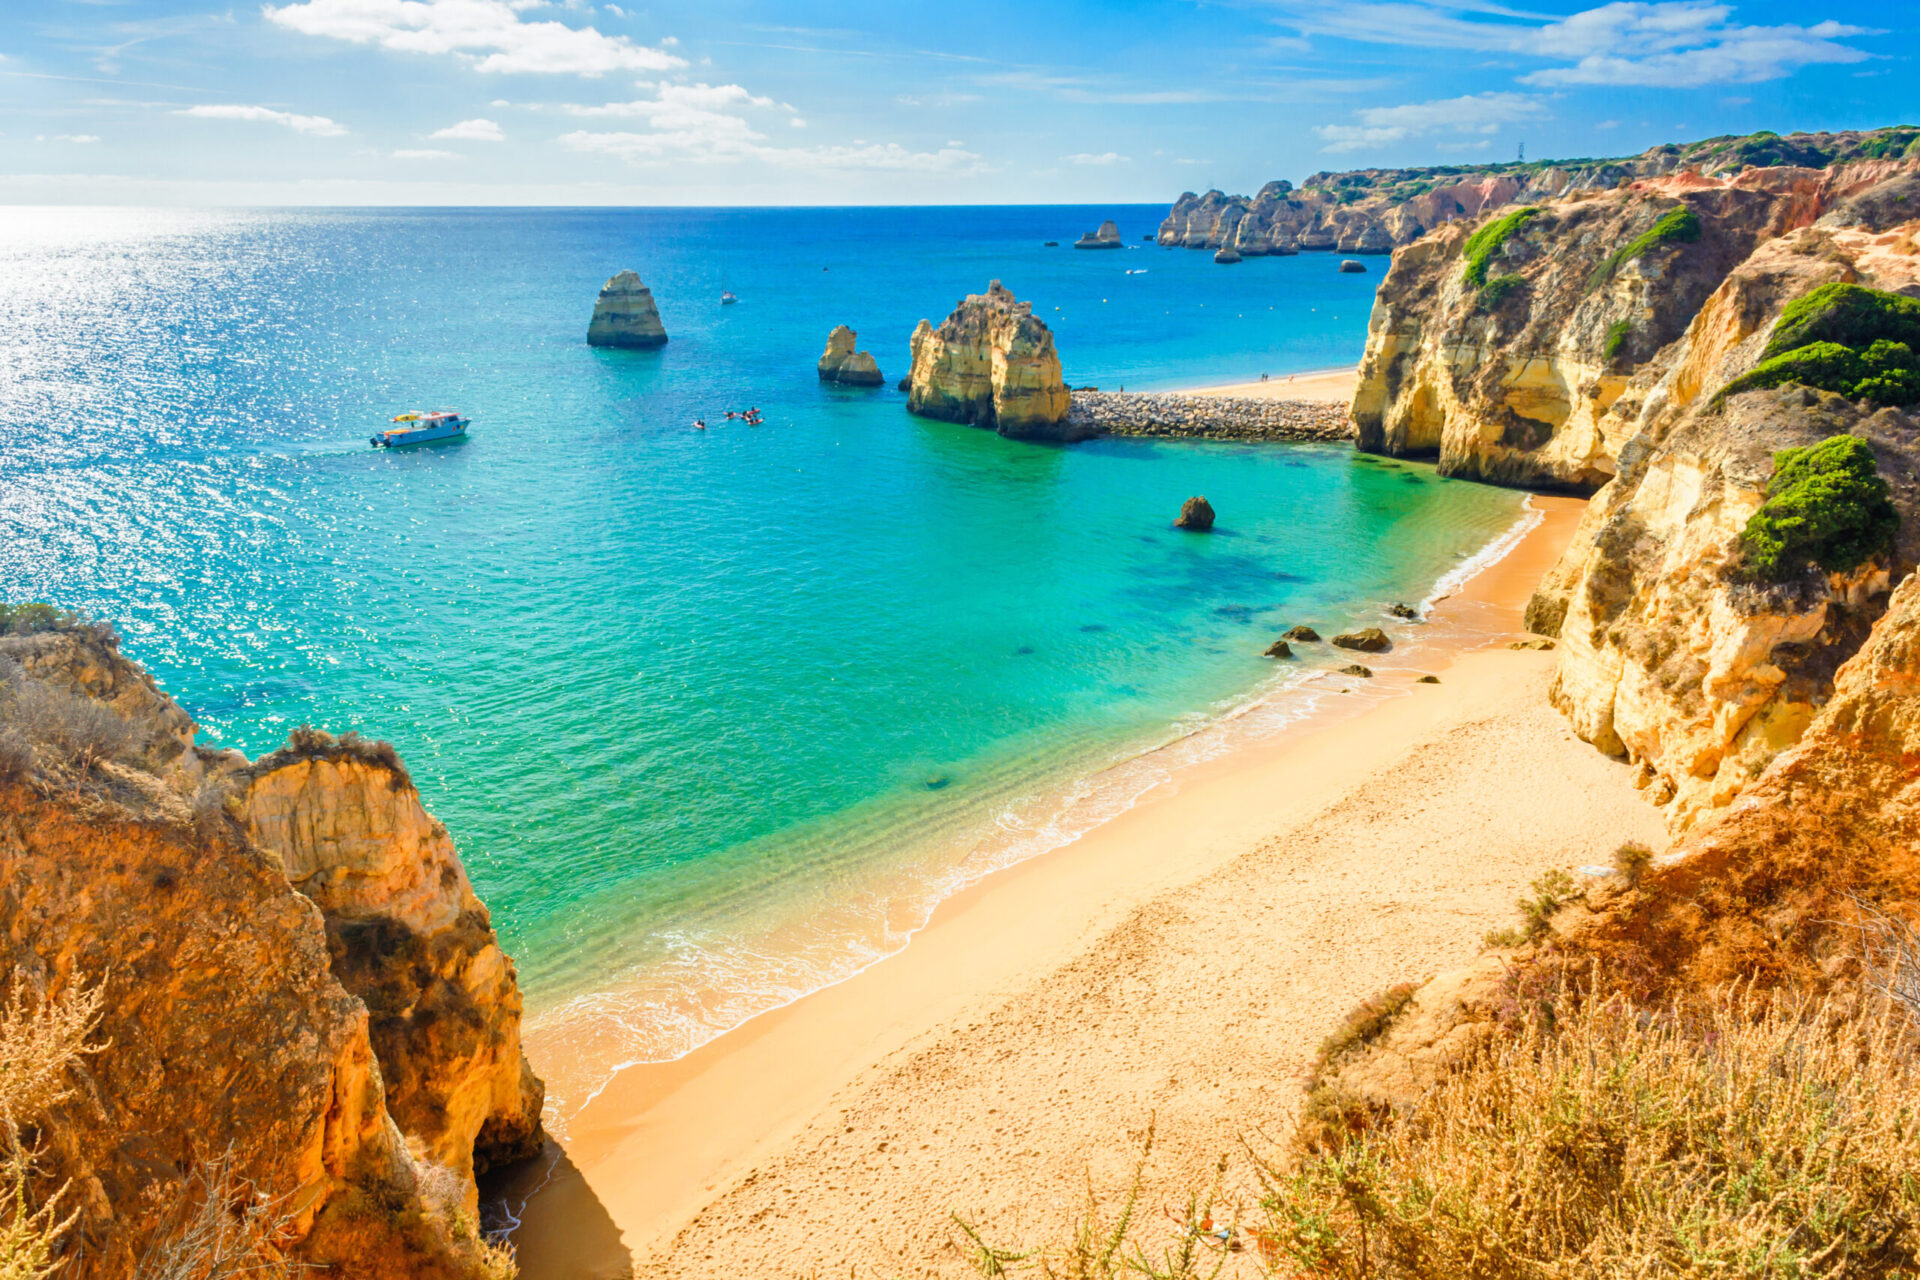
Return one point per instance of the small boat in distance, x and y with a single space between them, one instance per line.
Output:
726 298
419 428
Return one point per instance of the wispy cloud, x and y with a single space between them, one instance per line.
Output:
1479 113
490 35
418 153
1104 158
80 139
320 126
1658 43
471 131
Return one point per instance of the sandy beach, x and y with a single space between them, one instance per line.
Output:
1178 963
1323 384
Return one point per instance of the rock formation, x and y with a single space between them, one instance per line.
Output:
1302 635
1279 649
1355 669
1195 514
992 364
236 1013
1366 640
1107 237
1227 256
1352 267
624 315
842 364
1379 210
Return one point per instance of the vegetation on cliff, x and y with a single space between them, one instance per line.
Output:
1845 338
1676 226
1827 505
1484 243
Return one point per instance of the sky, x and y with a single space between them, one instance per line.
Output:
778 102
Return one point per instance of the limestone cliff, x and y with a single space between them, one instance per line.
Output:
624 315
842 364
992 364
236 1013
1379 210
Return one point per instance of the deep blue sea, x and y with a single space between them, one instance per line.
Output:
715 717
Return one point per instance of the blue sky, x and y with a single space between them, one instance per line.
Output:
863 102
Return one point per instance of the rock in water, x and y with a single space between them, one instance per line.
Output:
1300 634
1195 514
992 364
1279 649
624 315
1403 611
1428 680
1368 640
1355 669
1353 266
1227 256
842 364
1107 237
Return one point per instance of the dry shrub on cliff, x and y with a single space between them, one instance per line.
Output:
1757 1139
40 1041
225 1228
78 732
309 743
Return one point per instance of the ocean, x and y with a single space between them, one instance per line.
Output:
716 718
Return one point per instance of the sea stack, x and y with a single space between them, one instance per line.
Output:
842 364
1227 255
1353 266
991 364
1195 514
1107 237
624 315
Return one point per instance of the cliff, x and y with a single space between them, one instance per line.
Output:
992 364
624 315
842 364
1379 210
298 980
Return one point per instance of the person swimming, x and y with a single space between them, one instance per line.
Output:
699 424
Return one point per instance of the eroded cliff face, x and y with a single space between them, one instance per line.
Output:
1666 656
227 1028
1524 376
991 363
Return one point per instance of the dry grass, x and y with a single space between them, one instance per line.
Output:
1546 895
1752 1139
40 1041
226 1228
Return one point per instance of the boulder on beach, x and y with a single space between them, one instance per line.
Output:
1532 642
1353 266
1107 237
1366 640
1279 649
624 315
1428 680
1302 634
1196 514
842 364
1406 611
1355 669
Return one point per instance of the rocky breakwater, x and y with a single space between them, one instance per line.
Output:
842 364
992 364
1190 417
233 1061
1506 348
624 315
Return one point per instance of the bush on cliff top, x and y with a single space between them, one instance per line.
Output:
1849 314
1486 242
1679 225
1827 505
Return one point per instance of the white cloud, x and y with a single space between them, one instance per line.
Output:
79 138
488 35
1105 157
424 154
797 123
317 125
1485 144
471 131
729 144
1482 113
1656 43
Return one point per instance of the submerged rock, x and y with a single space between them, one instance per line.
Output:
1278 649
1300 634
1107 237
1428 680
1196 514
992 364
1366 640
1355 669
1403 611
842 364
624 315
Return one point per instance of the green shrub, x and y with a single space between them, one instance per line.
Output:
1617 334
1498 290
1849 314
1550 892
1679 225
1826 505
1886 372
1486 242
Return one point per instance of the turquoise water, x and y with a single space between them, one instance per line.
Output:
715 716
